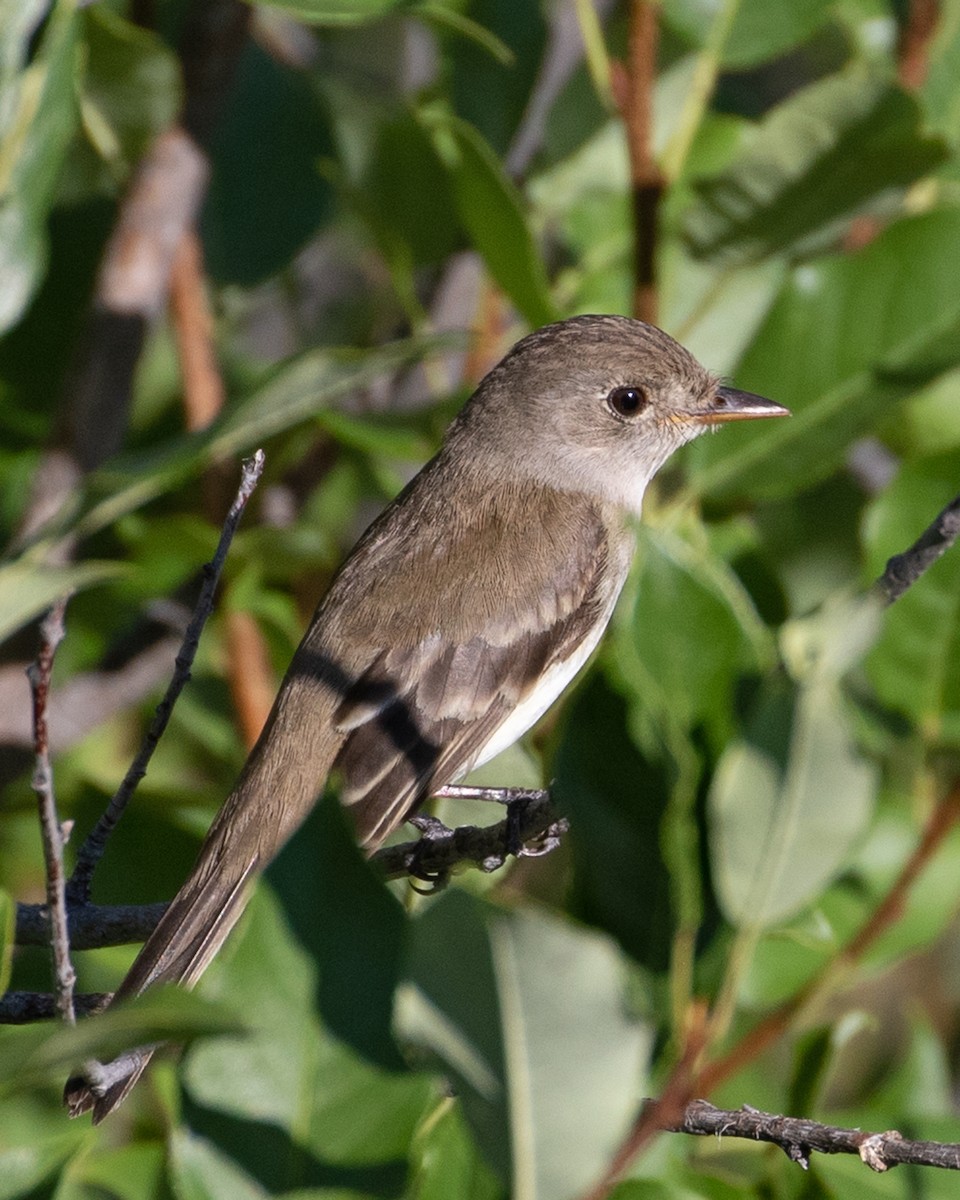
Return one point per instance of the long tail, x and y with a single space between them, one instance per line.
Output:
278 787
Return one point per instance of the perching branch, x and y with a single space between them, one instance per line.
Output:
531 828
52 832
78 889
798 1138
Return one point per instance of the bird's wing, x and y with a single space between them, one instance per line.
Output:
425 704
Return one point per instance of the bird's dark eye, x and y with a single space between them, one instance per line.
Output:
627 401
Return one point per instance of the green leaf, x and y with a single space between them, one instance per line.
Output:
28 1163
201 1171
37 119
32 1055
449 1164
333 12
289 1072
491 210
761 28
846 340
915 665
689 667
940 90
132 1172
789 800
29 588
500 998
131 87
815 161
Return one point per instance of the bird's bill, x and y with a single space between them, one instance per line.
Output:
730 404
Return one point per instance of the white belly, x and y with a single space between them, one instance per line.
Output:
551 684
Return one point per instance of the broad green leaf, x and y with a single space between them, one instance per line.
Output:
845 341
499 997
689 665
333 12
200 1171
915 665
761 28
491 210
37 120
28 588
940 90
32 1055
25 1165
132 1172
716 311
406 194
789 800
289 1072
449 1163
815 161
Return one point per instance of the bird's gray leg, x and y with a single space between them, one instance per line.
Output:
517 801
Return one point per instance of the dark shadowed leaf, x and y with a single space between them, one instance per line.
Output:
333 12
615 799
490 94
255 220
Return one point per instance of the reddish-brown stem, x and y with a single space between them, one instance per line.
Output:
913 51
635 99
193 324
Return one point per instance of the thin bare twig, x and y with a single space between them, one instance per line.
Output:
52 832
798 1138
905 569
78 889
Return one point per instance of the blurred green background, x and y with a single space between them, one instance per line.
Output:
387 195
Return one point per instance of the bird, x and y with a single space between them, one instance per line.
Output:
462 613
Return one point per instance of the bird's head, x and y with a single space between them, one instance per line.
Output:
597 404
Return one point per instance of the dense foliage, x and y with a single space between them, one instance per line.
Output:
759 747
